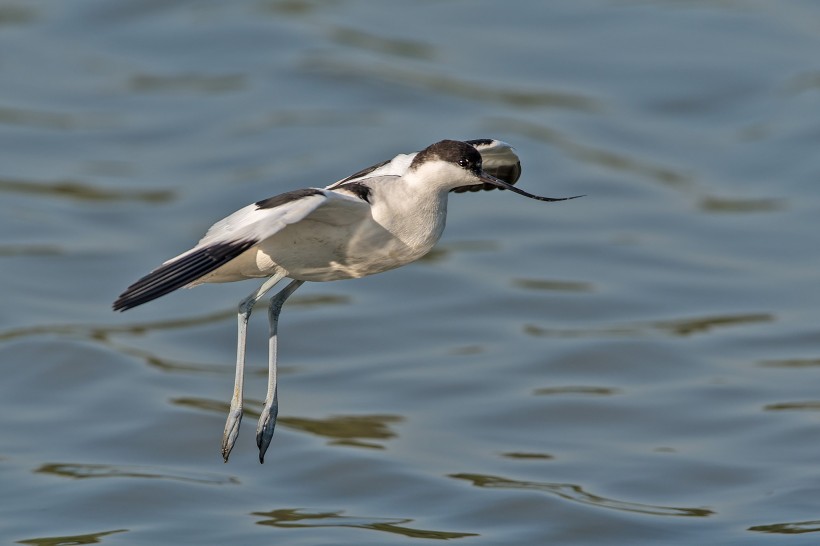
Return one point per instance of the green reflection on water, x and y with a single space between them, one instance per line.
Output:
71 189
794 406
791 363
347 430
676 327
399 47
82 471
576 389
91 538
295 518
791 528
738 205
552 285
528 456
576 493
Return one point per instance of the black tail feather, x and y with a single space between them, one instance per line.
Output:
168 277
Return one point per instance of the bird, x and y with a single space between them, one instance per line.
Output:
380 218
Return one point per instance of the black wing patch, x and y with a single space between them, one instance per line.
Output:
168 277
509 173
362 173
287 197
362 191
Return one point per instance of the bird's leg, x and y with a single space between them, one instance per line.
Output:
235 413
267 421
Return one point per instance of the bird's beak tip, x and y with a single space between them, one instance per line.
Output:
487 178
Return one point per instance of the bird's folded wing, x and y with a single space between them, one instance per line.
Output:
262 219
237 233
392 167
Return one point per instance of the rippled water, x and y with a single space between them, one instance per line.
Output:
640 366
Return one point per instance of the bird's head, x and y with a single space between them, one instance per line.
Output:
453 165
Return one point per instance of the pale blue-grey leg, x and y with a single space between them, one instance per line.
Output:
267 421
235 413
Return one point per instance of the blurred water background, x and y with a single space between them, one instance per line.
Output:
640 366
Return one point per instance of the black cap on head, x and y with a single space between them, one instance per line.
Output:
452 151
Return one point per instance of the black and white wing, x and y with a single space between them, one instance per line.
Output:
497 157
392 167
239 232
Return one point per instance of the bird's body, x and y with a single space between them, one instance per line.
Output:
343 236
378 219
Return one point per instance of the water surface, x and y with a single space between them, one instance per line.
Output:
639 366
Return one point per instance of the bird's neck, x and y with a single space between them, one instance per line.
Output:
414 215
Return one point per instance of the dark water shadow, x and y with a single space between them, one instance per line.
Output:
576 493
348 430
90 538
813 405
527 456
103 333
736 205
296 518
576 389
548 285
290 8
789 528
30 250
674 327
404 48
60 121
83 471
80 191
791 363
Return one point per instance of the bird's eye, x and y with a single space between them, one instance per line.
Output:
464 162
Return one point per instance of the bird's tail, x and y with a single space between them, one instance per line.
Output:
178 272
